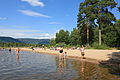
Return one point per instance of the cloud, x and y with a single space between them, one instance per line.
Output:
34 2
55 23
3 18
15 33
45 36
32 13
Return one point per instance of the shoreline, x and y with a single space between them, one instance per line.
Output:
93 56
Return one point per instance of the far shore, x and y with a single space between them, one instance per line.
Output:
92 55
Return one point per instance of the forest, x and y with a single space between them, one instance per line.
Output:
96 27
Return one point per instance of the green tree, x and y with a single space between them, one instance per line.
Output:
92 12
110 36
74 37
118 8
52 42
67 37
86 19
62 36
104 16
117 26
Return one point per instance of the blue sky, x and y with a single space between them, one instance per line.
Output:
38 18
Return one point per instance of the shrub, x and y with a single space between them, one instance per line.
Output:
97 46
61 45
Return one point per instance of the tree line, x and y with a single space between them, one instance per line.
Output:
96 25
15 44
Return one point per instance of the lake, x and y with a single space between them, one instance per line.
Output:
35 66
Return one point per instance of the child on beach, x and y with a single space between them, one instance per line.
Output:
65 55
82 51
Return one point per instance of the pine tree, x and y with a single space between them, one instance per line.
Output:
92 12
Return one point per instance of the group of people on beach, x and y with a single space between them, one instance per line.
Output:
60 49
82 51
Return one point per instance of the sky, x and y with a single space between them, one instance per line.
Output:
39 19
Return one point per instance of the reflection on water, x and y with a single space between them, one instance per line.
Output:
32 66
61 63
17 56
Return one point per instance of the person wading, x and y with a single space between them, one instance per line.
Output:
82 50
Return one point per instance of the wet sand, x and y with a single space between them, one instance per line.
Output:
94 56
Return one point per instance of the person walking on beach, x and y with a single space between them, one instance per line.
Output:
82 52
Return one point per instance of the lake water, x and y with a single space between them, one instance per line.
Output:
34 66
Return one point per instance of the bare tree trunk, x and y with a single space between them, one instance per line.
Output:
87 33
99 36
99 27
87 36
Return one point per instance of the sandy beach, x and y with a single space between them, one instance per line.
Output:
91 55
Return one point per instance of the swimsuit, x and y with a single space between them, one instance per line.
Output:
61 51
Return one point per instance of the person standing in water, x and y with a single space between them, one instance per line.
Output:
82 50
17 54
10 50
61 54
18 50
61 50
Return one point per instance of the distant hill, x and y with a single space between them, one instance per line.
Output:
34 41
9 39
25 40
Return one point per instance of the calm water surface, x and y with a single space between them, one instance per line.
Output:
33 66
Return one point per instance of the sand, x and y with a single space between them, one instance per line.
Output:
91 55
